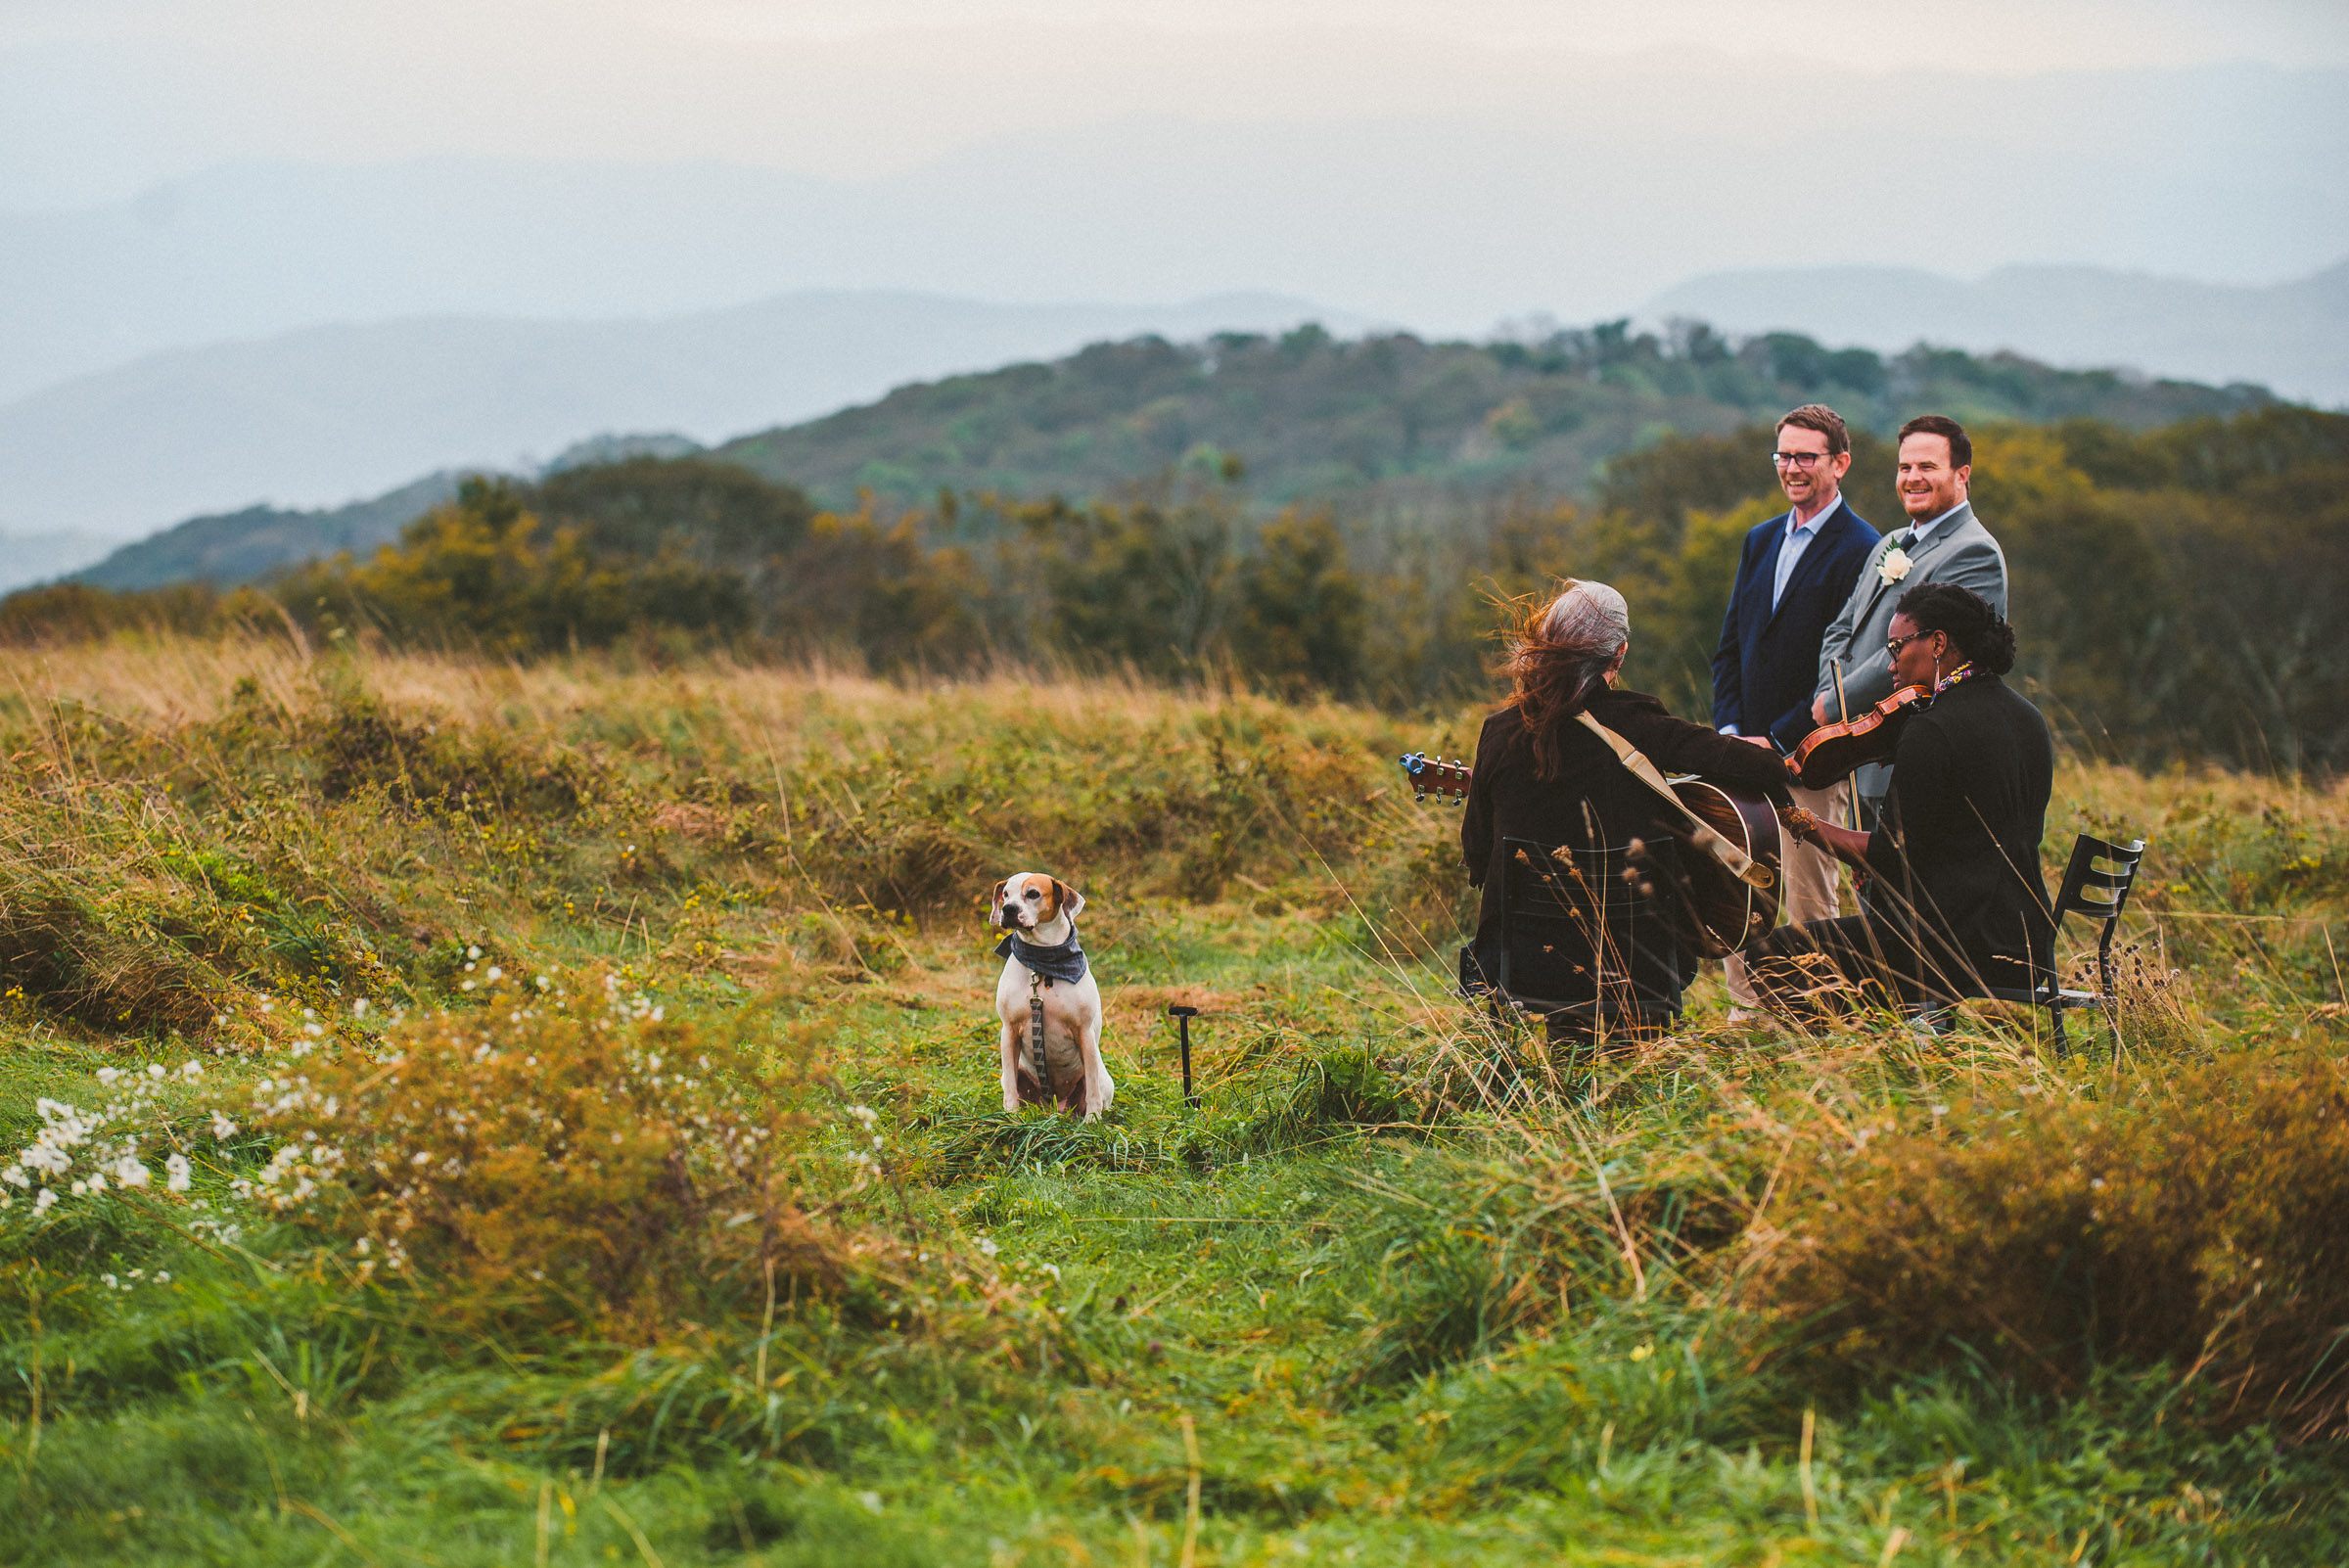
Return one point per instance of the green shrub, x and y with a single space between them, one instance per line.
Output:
2200 1220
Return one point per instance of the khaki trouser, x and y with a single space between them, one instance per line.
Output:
1810 874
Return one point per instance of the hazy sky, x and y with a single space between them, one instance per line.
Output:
100 97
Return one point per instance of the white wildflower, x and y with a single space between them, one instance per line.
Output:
472 952
222 1126
988 1246
155 1070
107 1074
130 1173
191 1068
177 1174
41 1204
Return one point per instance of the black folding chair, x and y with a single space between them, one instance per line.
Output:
1581 939
2095 893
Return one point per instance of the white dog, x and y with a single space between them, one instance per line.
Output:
1045 977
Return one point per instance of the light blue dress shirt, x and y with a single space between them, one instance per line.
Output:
1791 555
1790 550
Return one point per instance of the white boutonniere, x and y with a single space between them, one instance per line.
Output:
1895 565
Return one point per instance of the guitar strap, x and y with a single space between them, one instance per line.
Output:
1734 860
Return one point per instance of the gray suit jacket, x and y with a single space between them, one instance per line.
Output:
1961 551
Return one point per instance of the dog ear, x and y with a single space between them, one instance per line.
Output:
995 904
1072 903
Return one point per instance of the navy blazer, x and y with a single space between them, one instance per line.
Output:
1767 667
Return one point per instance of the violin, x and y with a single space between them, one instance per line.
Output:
1831 751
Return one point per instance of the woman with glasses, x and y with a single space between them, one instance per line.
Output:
1961 904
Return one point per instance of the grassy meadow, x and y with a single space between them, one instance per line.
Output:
547 1113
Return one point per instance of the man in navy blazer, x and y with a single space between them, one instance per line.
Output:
1793 578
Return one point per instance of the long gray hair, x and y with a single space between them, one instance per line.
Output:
1560 658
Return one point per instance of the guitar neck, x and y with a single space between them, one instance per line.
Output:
1432 775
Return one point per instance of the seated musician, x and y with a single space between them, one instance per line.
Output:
1542 776
1957 852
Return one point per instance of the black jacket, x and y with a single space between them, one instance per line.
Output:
1767 665
1960 839
1507 801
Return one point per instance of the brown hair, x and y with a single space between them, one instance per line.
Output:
1961 446
1558 659
1822 418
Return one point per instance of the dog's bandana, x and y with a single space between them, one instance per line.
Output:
1061 961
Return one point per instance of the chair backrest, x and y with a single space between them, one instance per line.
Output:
1580 929
2091 890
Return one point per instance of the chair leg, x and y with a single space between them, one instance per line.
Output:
2109 995
2063 1043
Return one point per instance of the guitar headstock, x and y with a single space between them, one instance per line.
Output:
1447 781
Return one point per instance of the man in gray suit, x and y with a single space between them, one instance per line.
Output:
1944 543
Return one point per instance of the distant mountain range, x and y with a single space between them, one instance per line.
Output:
2292 337
1574 183
249 545
1387 424
315 416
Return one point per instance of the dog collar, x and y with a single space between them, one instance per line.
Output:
1064 960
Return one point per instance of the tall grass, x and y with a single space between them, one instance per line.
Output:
1420 1288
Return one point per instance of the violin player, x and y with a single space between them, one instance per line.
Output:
1944 543
1955 851
1794 576
1542 775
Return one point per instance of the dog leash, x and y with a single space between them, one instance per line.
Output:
1036 1028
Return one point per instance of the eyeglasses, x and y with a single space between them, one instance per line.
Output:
1894 647
1798 459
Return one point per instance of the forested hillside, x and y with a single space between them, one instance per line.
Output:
2177 590
1391 427
1314 417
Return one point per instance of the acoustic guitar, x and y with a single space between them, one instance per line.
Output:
1720 912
